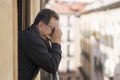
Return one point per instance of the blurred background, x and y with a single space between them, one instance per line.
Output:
90 41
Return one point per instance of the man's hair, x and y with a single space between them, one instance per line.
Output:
45 15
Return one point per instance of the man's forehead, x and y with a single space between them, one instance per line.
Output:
54 21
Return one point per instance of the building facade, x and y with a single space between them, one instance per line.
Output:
70 47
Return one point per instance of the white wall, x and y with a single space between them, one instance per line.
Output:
8 39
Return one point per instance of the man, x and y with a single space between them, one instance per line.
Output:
39 46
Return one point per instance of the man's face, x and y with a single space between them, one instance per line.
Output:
48 29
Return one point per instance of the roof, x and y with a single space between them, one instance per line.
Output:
65 7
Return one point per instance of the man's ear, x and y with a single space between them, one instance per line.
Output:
40 25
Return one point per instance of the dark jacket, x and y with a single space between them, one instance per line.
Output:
35 53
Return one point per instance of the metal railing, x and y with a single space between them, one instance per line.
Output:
47 76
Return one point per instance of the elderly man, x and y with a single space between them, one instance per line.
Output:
39 46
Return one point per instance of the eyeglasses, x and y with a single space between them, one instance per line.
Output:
53 28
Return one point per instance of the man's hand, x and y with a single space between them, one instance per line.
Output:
56 37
